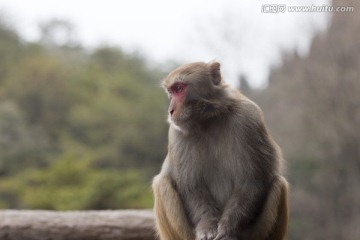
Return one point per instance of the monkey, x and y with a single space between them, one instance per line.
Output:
222 177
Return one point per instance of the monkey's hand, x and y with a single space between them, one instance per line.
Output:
224 236
224 232
206 230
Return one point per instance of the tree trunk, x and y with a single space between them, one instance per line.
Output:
77 225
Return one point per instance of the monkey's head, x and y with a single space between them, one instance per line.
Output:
195 91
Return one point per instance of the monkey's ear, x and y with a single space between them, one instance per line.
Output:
215 72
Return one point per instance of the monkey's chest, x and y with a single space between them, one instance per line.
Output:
208 170
220 187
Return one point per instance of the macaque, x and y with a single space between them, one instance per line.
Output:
221 178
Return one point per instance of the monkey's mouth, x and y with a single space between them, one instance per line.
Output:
171 119
176 120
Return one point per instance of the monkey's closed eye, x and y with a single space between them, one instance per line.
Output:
177 88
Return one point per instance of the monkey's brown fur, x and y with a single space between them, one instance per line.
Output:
221 179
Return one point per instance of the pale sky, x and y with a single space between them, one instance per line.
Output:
237 33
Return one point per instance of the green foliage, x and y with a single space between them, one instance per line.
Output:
40 88
18 150
72 183
78 129
10 47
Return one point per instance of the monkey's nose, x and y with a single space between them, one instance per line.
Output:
171 111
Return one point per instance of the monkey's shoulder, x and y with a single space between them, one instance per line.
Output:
246 113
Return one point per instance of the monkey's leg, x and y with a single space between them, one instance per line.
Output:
171 221
279 231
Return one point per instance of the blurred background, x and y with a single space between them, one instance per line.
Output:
82 114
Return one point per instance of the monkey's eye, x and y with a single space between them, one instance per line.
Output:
177 88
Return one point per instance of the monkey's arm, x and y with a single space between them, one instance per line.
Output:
258 169
205 212
241 209
272 223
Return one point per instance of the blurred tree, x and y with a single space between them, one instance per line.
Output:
57 33
74 124
313 107
119 101
40 88
20 145
10 48
71 183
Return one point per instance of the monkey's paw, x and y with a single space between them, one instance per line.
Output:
224 233
224 236
206 230
206 236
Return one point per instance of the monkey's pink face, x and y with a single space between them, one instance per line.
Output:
177 113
